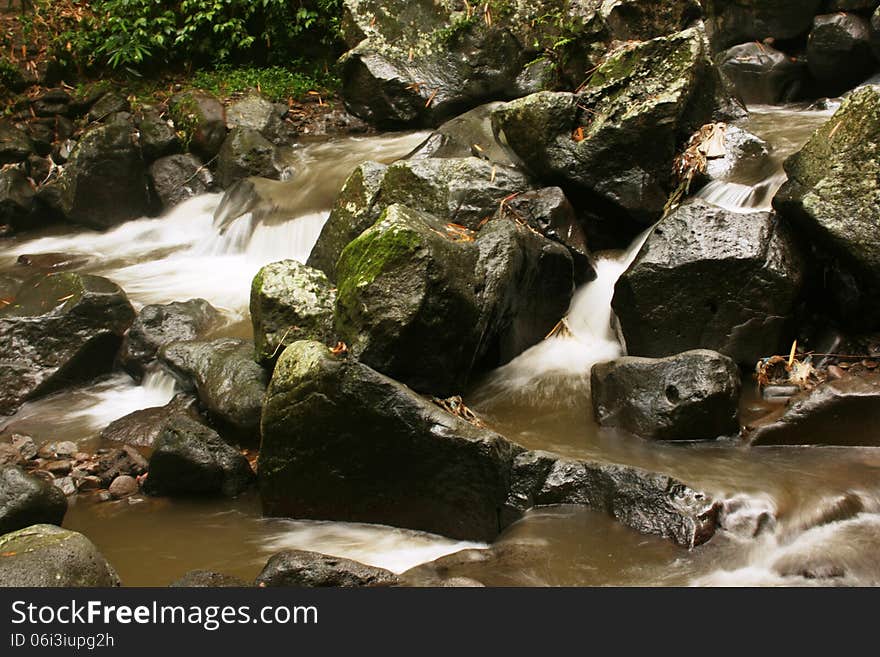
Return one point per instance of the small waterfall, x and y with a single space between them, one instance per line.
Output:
557 370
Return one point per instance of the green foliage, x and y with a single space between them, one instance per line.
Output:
274 82
137 33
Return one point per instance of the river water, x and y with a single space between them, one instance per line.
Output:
793 515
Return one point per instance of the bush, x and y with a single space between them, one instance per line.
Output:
140 33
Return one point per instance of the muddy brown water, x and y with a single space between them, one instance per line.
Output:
816 508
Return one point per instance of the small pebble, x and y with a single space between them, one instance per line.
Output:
25 445
60 468
66 485
66 448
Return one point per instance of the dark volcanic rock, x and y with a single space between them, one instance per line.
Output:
763 75
738 21
290 302
244 153
176 178
230 385
300 568
158 325
48 556
60 329
343 442
404 282
840 413
17 208
15 145
118 462
833 196
158 137
27 500
690 396
203 118
142 428
256 113
839 52
105 181
616 140
192 459
707 278
648 502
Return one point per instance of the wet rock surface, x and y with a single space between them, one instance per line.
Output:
290 302
59 329
689 396
191 459
161 324
299 568
142 428
201 579
762 74
48 556
834 413
711 279
176 178
28 500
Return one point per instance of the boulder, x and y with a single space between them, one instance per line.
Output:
206 579
649 502
202 118
613 144
256 113
108 105
836 413
60 329
343 442
15 145
839 52
48 556
51 102
689 396
707 278
738 21
428 304
290 302
355 209
27 500
456 190
192 459
244 153
17 194
176 178
833 197
299 568
161 324
104 183
760 74
158 137
230 385
143 427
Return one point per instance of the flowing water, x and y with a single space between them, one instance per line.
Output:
792 515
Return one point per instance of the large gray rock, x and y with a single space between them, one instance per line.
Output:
15 145
176 178
290 302
343 442
256 113
143 427
707 278
202 118
300 568
104 183
230 385
838 413
245 153
689 396
464 190
839 52
60 329
763 75
738 21
48 556
157 135
833 197
616 140
17 207
649 502
27 500
160 324
192 459
430 305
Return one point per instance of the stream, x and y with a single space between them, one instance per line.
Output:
825 501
